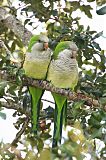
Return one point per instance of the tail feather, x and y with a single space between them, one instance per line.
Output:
61 123
58 122
65 114
58 119
36 95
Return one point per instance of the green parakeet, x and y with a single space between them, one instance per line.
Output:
63 73
36 65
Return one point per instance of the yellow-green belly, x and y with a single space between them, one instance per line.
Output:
63 77
64 80
36 69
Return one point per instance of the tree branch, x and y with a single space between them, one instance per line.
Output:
14 25
18 108
43 84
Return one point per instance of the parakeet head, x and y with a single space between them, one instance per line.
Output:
38 42
66 45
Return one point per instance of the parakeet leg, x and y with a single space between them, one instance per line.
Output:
36 95
58 119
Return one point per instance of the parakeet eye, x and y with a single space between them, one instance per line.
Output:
39 41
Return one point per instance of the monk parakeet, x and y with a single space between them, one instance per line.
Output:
36 65
63 73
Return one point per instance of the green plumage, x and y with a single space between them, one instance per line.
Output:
33 40
58 118
63 73
60 47
36 65
36 95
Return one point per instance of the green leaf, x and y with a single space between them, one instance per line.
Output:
40 144
19 43
97 115
13 46
96 45
100 2
12 89
97 35
101 11
75 5
77 105
97 133
102 100
26 21
94 123
46 136
3 115
2 88
45 155
54 12
86 9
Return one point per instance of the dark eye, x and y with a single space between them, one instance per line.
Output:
39 41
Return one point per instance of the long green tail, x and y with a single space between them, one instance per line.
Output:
36 95
65 114
58 118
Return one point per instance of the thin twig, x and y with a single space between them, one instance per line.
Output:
47 101
18 135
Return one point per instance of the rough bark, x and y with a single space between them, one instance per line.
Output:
14 25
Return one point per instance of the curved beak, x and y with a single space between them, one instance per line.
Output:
45 45
73 54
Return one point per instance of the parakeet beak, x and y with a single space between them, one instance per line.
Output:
73 54
45 45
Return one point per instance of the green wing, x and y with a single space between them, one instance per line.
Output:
60 47
35 93
32 41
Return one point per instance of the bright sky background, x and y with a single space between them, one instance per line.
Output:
98 23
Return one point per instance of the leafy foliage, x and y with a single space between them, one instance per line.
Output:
90 122
100 2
